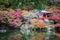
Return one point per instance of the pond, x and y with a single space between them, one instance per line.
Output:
16 35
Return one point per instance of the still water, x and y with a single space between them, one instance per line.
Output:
15 35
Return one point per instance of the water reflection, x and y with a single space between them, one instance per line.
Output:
15 35
39 36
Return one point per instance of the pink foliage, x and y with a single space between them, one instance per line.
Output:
56 15
16 17
57 25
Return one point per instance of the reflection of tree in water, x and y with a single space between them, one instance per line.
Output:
15 37
39 36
